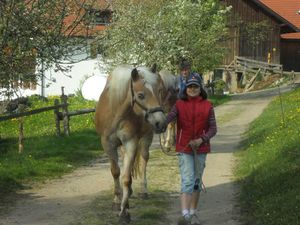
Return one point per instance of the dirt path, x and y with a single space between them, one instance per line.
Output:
60 201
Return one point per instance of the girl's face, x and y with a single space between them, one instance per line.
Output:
193 90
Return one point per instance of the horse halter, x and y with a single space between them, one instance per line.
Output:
148 111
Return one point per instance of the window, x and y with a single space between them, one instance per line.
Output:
100 17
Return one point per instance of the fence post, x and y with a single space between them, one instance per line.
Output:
57 118
64 100
281 106
21 109
293 76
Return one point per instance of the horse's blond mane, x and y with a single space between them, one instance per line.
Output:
120 82
168 79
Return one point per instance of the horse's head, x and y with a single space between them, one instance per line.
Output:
145 87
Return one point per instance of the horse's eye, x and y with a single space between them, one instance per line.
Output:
141 96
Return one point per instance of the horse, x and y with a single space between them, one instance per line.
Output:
167 139
128 113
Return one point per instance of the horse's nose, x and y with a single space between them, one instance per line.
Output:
157 125
160 127
164 127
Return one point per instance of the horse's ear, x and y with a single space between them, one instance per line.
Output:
134 74
153 68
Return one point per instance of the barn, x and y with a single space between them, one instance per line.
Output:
264 39
265 30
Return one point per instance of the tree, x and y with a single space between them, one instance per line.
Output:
145 32
36 31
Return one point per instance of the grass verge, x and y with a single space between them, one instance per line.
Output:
269 165
219 99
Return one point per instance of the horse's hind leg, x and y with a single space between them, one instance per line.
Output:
144 145
111 150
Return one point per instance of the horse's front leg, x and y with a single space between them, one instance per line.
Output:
129 156
111 150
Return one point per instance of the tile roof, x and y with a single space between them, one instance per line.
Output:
291 36
289 10
79 7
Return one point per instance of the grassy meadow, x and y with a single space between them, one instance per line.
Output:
269 165
45 155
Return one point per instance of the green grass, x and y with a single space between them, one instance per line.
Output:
45 155
269 165
219 99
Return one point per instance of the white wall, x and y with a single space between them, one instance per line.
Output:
71 80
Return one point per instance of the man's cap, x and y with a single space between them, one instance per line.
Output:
193 79
184 64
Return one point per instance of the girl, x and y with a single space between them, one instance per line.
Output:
196 125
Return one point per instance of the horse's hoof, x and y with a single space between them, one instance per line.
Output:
143 195
116 206
124 218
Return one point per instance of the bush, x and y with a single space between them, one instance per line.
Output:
219 86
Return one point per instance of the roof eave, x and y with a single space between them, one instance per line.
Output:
267 9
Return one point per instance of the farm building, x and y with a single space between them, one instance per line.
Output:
88 62
84 63
264 37
265 30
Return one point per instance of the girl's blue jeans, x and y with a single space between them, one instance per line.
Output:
188 173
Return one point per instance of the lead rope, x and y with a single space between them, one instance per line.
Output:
197 170
168 151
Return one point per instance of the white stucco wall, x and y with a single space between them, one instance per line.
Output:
73 79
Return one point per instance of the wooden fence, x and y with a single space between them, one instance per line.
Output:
246 71
242 64
61 113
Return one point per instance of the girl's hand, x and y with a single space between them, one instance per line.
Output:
195 143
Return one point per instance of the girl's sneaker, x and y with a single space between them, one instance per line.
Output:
195 220
184 220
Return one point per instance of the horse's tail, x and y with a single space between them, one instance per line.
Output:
136 170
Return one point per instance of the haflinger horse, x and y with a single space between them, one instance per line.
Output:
167 139
129 111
